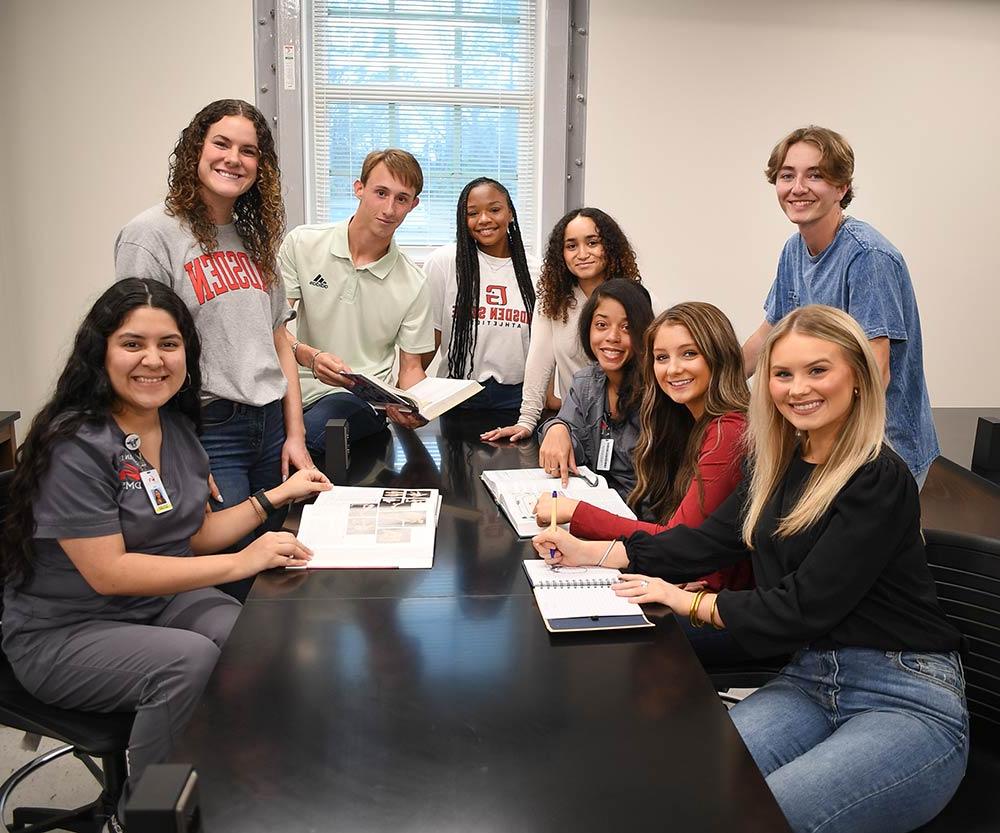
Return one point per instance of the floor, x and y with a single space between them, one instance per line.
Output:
67 783
62 783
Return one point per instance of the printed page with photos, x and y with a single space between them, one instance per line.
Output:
360 527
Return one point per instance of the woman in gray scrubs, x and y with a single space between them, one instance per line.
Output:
108 604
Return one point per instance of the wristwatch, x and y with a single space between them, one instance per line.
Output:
265 504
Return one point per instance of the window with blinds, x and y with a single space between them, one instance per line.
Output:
452 81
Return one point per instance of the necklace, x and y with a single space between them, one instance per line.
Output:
495 264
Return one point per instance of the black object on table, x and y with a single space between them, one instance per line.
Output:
8 439
406 700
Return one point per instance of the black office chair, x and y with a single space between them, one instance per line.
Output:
966 571
752 674
87 735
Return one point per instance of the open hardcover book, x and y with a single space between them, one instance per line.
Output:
581 598
429 398
516 491
358 527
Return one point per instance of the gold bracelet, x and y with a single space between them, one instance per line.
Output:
693 617
258 509
711 614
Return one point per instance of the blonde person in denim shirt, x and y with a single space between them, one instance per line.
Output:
845 263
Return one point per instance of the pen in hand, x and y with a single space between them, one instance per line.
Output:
552 525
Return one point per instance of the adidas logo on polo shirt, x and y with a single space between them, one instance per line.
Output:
318 281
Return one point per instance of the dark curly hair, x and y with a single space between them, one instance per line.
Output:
639 313
259 214
556 282
466 325
84 394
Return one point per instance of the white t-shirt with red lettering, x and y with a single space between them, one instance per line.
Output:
504 324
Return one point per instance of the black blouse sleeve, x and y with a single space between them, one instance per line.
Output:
683 553
868 524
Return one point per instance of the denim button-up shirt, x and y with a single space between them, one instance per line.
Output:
582 410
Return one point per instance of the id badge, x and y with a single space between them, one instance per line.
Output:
604 454
155 491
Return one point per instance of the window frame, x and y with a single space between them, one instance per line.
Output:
282 46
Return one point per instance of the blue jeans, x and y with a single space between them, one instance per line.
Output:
495 397
243 443
858 739
362 419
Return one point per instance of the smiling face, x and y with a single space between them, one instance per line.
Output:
610 338
812 385
487 216
227 168
806 198
583 250
680 368
145 360
383 203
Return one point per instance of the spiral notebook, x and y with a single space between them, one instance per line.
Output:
581 598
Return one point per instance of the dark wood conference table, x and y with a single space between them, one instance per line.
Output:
435 700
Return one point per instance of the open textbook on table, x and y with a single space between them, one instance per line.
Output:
361 527
429 398
581 598
516 491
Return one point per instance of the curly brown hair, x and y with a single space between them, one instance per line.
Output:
259 214
836 162
556 282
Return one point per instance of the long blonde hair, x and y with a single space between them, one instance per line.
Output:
772 440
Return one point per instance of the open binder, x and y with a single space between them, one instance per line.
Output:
516 492
581 598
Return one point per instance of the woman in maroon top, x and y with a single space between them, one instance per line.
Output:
690 450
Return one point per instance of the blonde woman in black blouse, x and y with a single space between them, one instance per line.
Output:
866 728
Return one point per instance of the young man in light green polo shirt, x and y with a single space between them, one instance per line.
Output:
359 298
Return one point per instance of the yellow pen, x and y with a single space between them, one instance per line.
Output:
552 525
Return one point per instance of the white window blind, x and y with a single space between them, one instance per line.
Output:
452 81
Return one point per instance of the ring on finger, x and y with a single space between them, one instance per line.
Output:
643 583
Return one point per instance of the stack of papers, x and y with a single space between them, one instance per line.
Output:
361 527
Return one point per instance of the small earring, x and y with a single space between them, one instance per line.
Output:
856 391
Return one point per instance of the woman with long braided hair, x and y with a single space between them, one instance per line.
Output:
483 297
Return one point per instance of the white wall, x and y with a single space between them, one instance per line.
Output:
10 328
93 98
687 98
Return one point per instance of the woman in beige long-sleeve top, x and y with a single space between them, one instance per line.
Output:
585 248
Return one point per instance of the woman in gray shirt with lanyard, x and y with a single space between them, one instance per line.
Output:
108 604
